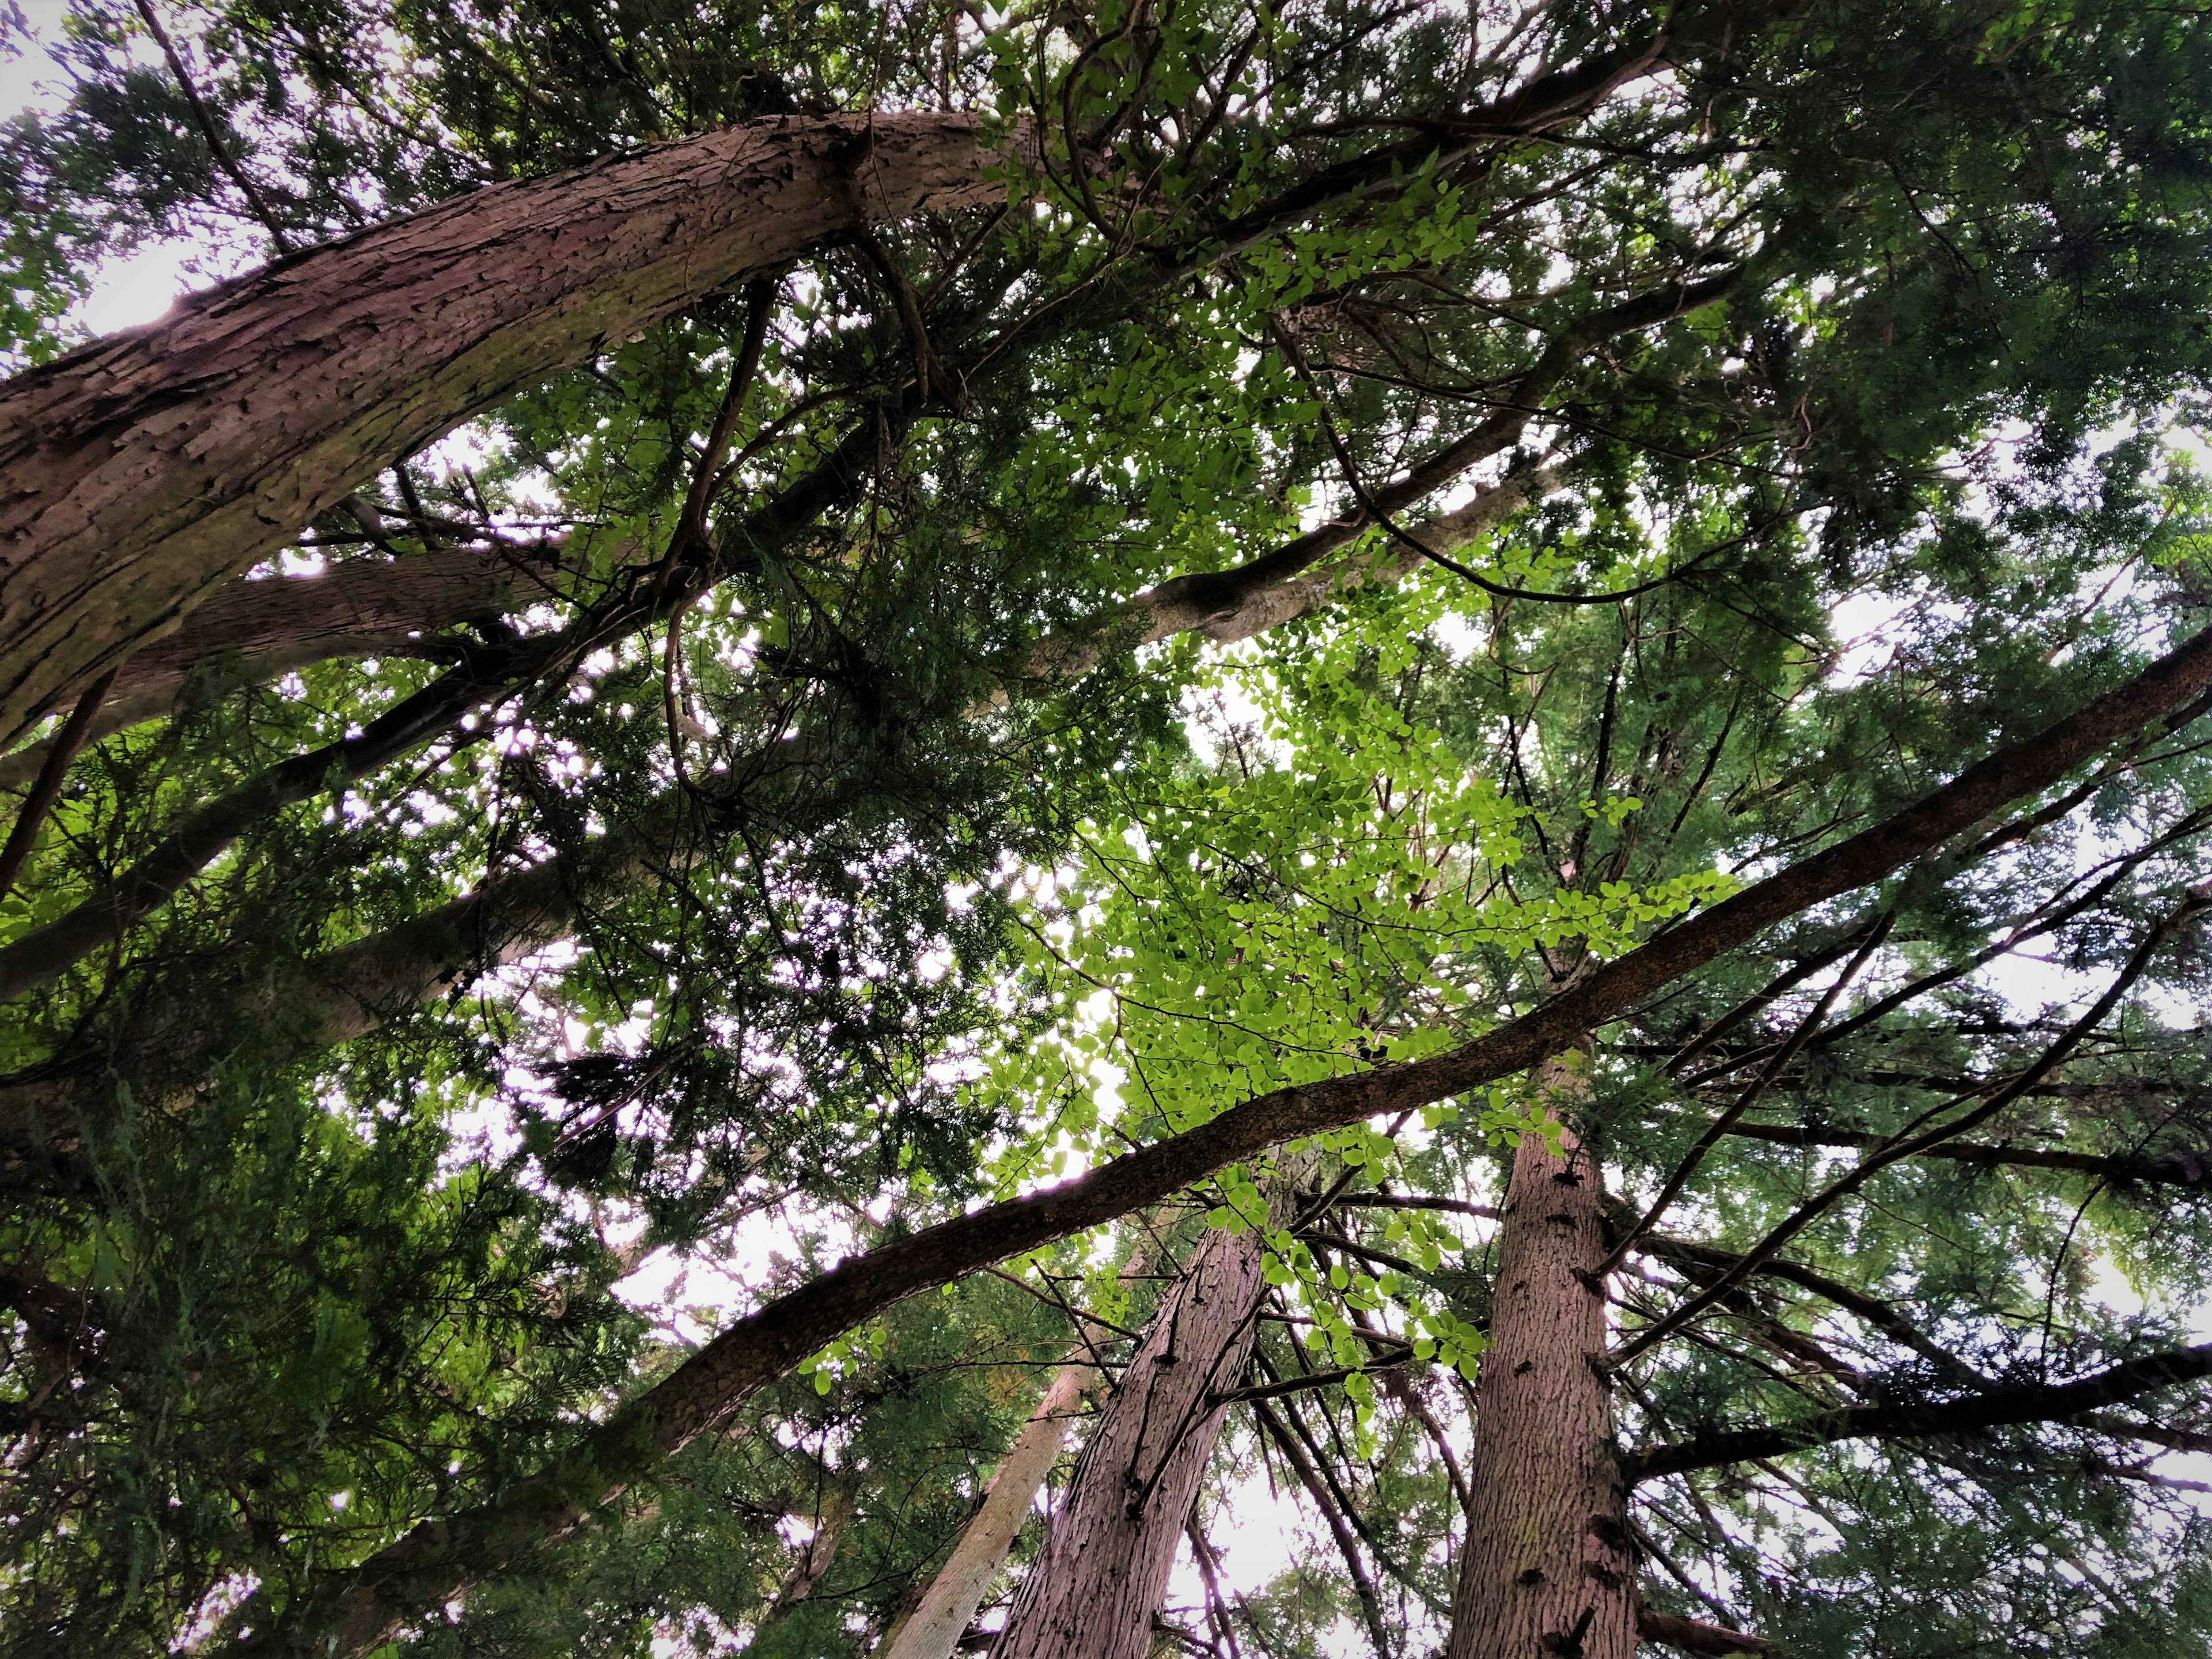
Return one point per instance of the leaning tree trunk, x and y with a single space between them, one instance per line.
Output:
1103 1574
1547 1572
142 470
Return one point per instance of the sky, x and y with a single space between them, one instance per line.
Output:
128 291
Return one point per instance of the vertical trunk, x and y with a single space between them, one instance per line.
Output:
933 1625
142 470
1547 1572
832 1516
1103 1574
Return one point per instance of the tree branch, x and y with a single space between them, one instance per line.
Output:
1993 1408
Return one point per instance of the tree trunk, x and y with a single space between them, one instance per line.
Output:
249 633
1547 1572
145 468
934 1625
1103 1574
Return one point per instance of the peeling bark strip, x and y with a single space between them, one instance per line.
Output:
351 1611
142 470
1547 1568
1103 1573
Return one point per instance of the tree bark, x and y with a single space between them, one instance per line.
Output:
144 469
249 633
1547 1569
1103 1573
352 990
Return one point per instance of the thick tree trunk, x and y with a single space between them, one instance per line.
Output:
144 469
1547 1572
249 633
1103 1574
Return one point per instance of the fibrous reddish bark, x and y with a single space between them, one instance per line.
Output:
1103 1573
144 469
931 1628
249 633
1547 1569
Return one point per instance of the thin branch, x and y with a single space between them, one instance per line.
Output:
1294 1452
204 117
1744 1101
31 818
1907 1145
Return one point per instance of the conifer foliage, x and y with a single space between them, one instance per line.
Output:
1446 761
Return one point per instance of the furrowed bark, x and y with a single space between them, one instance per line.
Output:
145 468
355 988
485 673
932 1626
250 633
352 1612
1547 1567
1695 1635
1103 1574
1995 1407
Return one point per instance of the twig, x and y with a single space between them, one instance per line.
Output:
205 119
48 787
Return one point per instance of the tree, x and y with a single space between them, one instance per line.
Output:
758 791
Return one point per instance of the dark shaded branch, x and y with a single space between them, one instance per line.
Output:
1993 1408
1695 1635
1416 1201
1704 1260
1691 1160
46 789
2187 1170
1909 1143
1294 1452
204 118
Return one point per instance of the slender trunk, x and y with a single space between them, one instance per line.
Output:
144 469
1546 1569
833 1516
934 1625
1103 1574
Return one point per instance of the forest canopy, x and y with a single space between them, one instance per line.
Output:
1175 827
